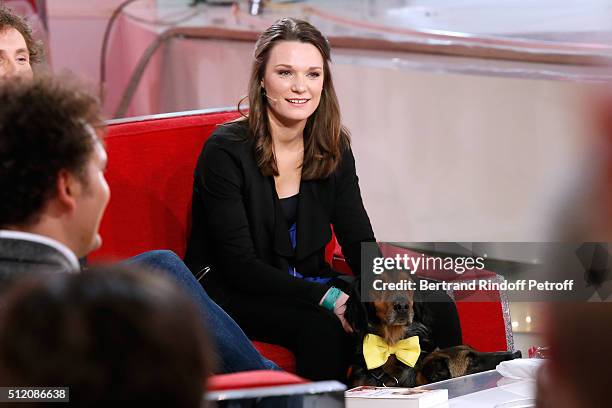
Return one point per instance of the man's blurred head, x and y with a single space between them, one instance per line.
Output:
577 372
18 49
115 336
52 162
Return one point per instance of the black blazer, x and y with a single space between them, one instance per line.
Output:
239 229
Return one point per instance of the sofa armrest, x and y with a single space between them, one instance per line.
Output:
252 379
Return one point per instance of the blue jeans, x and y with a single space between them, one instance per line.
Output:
235 352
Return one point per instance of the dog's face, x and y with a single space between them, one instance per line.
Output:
392 311
458 361
395 308
390 315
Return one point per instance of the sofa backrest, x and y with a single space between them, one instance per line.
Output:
151 161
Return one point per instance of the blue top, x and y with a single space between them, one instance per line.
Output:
289 206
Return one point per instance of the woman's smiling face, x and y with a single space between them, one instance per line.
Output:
293 81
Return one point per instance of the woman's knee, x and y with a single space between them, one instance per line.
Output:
322 327
162 257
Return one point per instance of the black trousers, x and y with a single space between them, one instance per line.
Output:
321 347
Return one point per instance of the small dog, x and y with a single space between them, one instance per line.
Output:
386 353
458 361
392 319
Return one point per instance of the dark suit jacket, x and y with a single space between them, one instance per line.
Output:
240 232
19 257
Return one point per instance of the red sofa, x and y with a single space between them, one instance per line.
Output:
150 172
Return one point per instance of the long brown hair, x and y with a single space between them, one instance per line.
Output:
324 135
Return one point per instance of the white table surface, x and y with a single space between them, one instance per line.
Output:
484 390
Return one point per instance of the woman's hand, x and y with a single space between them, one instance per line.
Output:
339 310
339 305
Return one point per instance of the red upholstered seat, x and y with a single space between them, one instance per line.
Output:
280 355
484 324
150 173
252 379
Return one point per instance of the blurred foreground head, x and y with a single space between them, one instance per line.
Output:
114 336
578 372
586 206
577 375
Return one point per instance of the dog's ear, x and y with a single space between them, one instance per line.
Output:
422 309
425 337
423 315
436 369
356 314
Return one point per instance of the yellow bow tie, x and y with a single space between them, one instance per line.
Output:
376 351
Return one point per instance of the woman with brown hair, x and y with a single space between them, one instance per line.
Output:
266 190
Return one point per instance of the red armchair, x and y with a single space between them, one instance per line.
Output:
150 172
